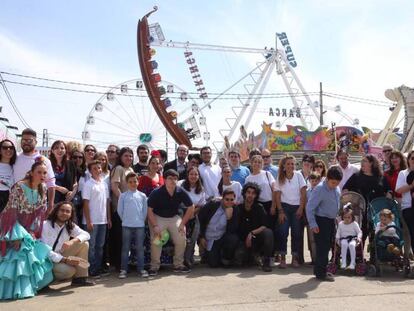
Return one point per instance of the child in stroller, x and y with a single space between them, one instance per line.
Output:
388 238
348 235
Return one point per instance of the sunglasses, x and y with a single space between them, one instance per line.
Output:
229 199
77 157
266 156
318 166
7 148
388 150
110 151
90 150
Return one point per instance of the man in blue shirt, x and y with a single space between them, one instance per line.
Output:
321 211
239 172
267 163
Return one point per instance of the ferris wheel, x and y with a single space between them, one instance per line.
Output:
124 116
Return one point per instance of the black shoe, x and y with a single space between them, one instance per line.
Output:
328 278
82 282
182 269
104 273
266 265
95 275
152 272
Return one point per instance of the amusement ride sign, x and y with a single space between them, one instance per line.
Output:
283 112
288 50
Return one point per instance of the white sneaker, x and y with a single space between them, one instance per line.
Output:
352 266
343 265
144 273
123 274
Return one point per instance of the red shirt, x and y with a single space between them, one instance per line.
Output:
147 185
392 181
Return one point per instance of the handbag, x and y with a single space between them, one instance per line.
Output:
77 199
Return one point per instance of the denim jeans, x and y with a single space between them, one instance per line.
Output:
127 235
294 224
96 244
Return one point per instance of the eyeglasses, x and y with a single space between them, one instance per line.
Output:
110 151
90 150
229 199
7 148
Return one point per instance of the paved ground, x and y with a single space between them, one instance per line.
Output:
228 289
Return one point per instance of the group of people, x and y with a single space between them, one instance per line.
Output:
78 212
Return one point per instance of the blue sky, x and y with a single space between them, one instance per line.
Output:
357 48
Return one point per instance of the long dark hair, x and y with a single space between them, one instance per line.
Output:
14 157
199 184
80 171
324 170
70 223
403 162
119 159
375 166
53 159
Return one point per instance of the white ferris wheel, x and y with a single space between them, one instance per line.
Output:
124 116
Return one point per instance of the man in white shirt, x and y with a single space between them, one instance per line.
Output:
26 159
209 173
69 245
346 168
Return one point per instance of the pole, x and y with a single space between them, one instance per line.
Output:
320 104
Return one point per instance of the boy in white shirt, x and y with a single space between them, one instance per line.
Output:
96 215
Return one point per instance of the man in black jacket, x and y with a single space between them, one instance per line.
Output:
252 231
179 164
218 227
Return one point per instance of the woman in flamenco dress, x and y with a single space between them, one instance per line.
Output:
24 264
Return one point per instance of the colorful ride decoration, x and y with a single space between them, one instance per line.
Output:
151 79
298 138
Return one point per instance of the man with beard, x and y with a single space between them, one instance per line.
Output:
26 159
141 167
255 237
346 168
179 164
69 245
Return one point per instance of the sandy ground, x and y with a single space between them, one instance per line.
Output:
229 289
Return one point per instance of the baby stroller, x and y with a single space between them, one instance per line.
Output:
377 246
357 203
